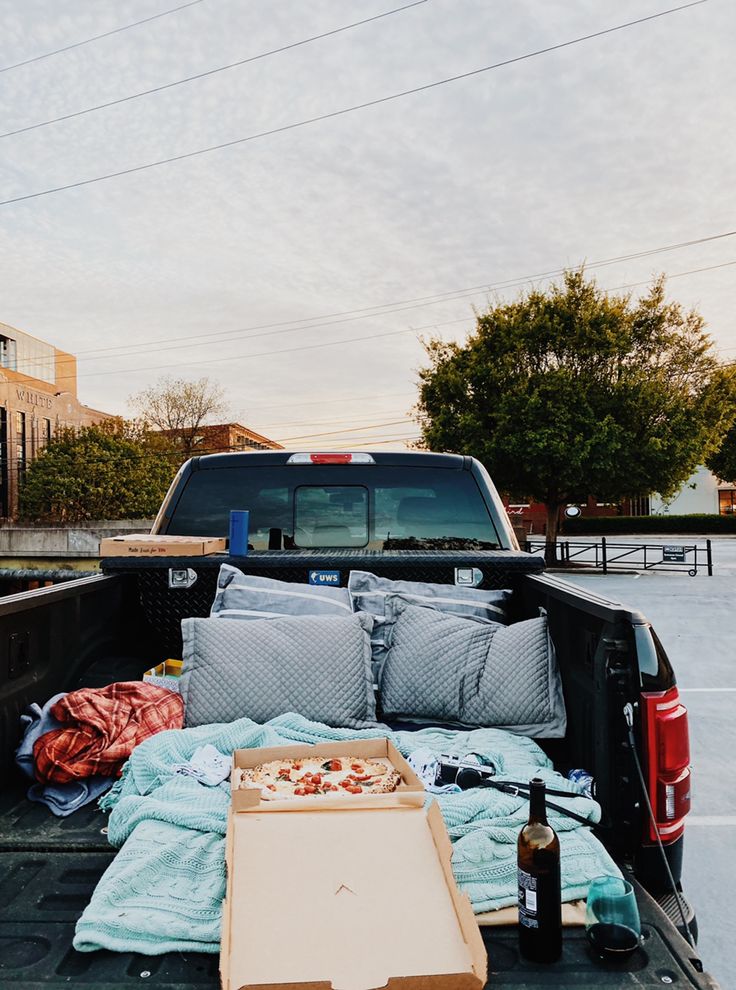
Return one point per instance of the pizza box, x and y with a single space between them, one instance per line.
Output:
148 545
409 792
351 899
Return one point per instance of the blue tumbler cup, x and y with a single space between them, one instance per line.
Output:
239 519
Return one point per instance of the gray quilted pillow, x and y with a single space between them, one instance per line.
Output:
244 596
370 593
319 666
444 668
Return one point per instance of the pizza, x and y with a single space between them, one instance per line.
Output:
316 775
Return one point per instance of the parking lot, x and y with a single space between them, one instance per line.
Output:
696 620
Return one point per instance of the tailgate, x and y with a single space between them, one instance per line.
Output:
665 959
47 877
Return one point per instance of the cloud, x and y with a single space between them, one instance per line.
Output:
618 144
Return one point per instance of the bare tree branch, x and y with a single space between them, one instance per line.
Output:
181 408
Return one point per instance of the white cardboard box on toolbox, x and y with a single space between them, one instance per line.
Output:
354 892
147 545
165 674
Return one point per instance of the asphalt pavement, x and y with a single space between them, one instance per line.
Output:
695 618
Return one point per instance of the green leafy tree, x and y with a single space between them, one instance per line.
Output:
722 462
571 392
113 470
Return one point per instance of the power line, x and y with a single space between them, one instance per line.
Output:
16 464
285 350
273 431
322 402
356 426
376 443
401 309
211 72
363 417
274 333
289 350
441 297
340 398
350 340
692 271
97 37
345 110
354 429
335 421
372 312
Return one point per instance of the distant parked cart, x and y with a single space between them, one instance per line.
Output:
606 556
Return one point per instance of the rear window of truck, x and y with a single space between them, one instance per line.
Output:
371 507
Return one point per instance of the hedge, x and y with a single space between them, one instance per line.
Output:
702 523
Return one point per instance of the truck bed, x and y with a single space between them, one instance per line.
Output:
96 630
50 866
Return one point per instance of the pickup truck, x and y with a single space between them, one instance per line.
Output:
428 517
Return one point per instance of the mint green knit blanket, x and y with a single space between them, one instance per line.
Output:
163 891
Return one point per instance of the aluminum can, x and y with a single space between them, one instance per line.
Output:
584 780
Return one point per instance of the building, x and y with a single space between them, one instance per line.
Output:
38 395
702 492
223 437
233 436
530 518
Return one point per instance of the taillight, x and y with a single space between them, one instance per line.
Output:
667 760
330 458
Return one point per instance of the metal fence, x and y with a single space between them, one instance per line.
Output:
606 556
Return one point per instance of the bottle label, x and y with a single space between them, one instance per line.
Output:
528 900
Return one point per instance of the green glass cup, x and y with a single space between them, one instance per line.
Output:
612 922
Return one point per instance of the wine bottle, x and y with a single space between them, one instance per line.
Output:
540 894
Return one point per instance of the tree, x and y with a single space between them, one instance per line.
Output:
113 470
181 407
571 392
722 462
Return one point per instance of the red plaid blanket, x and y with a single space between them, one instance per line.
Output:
104 726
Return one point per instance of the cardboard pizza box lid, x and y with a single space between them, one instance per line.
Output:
410 790
151 545
350 900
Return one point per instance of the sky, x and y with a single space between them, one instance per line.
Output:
301 269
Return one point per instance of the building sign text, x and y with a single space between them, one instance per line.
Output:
35 398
